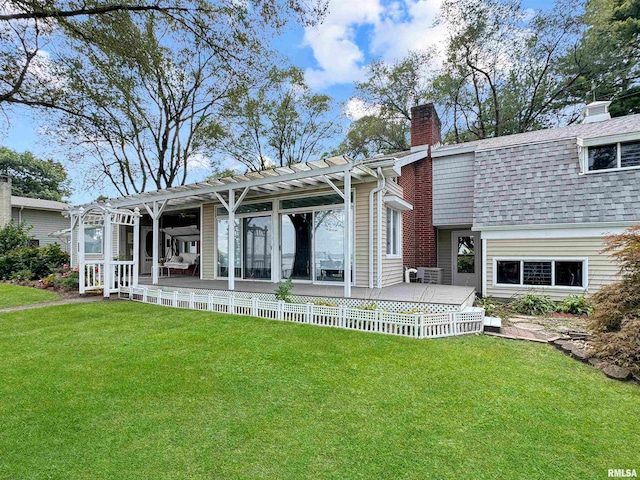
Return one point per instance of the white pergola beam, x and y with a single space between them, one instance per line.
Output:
333 185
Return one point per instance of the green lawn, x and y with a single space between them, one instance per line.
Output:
13 295
124 390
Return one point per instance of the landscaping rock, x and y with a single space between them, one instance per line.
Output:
596 362
567 347
616 372
579 353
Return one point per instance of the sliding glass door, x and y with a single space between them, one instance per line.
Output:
296 245
328 232
256 248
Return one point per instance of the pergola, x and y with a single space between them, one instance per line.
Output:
336 172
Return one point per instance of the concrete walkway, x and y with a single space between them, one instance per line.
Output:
63 301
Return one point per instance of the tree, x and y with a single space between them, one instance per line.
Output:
610 47
372 134
615 322
25 25
32 177
279 123
505 70
388 94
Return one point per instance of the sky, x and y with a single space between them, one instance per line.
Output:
333 56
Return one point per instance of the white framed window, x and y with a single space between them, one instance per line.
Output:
611 156
394 233
561 272
93 239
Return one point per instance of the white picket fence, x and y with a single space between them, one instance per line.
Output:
417 325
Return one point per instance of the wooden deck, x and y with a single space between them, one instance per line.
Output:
401 292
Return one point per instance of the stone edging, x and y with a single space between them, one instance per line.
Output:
581 354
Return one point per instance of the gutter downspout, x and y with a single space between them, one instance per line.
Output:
372 192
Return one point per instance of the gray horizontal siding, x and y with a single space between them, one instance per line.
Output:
453 190
43 222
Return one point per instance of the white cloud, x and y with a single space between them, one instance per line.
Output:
392 29
356 108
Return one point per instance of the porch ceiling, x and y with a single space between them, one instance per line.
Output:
271 182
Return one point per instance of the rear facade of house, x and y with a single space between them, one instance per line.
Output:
524 212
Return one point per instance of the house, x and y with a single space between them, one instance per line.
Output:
45 217
526 211
501 215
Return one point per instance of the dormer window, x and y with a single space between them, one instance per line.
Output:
610 156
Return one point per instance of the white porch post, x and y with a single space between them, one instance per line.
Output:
136 246
107 253
156 237
81 267
276 251
347 233
231 277
73 253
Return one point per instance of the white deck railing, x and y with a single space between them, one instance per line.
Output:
416 325
122 275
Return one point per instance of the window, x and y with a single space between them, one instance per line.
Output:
93 240
466 257
617 155
394 229
540 273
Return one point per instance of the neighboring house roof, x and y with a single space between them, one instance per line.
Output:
614 126
38 204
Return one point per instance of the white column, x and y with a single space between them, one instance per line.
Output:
81 267
379 226
347 233
73 253
136 246
232 240
276 251
107 254
156 237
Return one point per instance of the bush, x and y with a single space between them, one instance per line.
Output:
70 282
615 321
41 261
14 235
532 304
575 304
22 276
283 292
488 304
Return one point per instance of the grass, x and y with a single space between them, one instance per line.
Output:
124 390
13 295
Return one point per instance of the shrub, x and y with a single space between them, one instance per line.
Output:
283 292
615 321
532 304
22 276
41 261
70 282
575 304
14 235
369 306
324 303
488 304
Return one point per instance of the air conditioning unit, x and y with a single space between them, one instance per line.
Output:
431 275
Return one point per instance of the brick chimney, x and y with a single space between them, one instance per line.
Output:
5 200
425 125
416 180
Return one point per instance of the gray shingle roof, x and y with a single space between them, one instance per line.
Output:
615 126
38 204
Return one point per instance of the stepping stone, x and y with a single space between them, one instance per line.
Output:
596 362
532 327
616 372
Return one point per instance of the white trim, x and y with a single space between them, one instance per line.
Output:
449 150
483 269
546 231
202 239
552 259
414 157
397 203
478 268
608 139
